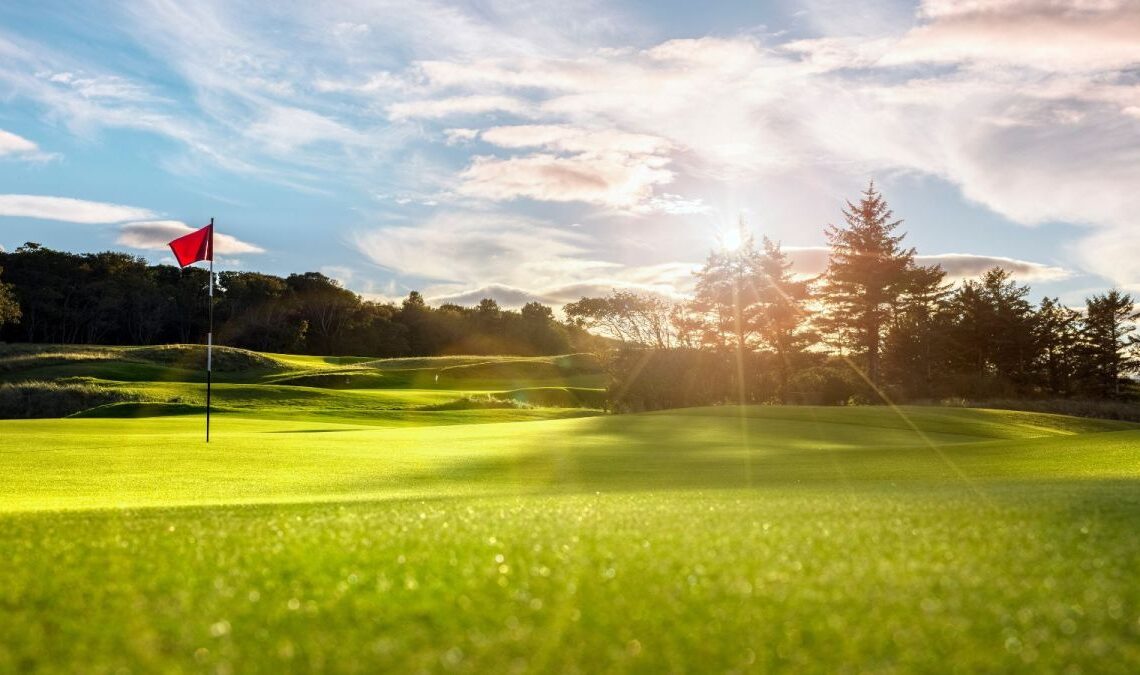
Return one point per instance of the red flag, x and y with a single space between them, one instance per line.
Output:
198 245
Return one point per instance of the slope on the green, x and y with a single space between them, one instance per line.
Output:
186 363
169 380
47 464
706 539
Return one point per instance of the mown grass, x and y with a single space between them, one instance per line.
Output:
356 530
809 539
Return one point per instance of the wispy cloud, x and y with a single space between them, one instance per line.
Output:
156 235
68 209
812 260
14 146
514 260
457 105
465 247
1039 34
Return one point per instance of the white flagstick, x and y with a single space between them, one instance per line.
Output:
210 334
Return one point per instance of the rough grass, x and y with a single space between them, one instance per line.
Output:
1111 410
34 399
226 359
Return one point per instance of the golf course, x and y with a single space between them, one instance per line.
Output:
476 514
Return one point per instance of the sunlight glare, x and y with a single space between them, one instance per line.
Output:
731 238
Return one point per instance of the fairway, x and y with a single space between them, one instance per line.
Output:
715 539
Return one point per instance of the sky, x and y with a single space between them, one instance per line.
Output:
527 150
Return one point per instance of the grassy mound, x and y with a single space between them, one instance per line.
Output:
226 359
33 399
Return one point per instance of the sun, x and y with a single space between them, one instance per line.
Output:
731 238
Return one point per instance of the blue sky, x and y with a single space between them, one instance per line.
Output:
531 150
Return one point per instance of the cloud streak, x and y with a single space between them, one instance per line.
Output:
156 235
68 210
14 146
812 260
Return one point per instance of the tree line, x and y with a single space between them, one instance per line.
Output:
49 296
875 326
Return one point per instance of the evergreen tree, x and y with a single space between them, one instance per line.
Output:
9 307
914 352
1109 343
779 315
726 295
867 273
1058 330
992 336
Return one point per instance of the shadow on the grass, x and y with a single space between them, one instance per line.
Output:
647 452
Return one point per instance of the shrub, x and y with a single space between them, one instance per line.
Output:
478 402
557 397
832 384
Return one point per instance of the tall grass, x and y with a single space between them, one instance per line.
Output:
39 399
1127 411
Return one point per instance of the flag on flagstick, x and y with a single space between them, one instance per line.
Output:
198 245
189 249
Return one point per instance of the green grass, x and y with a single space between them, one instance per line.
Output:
358 530
785 538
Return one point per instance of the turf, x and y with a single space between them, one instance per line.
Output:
716 540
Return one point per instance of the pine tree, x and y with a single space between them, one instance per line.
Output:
992 336
914 354
1109 343
867 273
779 316
726 295
1057 330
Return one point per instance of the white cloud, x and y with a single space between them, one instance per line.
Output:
464 247
1039 34
576 140
506 296
284 129
156 235
513 260
68 210
615 181
474 104
458 136
16 145
812 260
606 167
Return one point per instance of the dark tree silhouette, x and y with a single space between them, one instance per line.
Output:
9 306
867 274
1109 343
779 315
